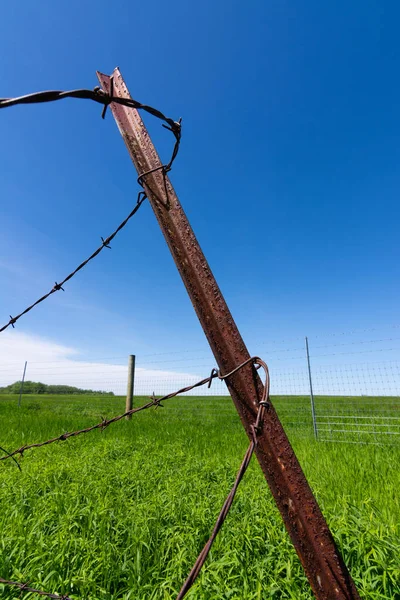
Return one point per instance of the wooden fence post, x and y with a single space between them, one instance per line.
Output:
131 381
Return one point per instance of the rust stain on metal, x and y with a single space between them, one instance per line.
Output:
322 562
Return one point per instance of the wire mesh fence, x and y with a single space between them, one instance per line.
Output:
354 401
358 403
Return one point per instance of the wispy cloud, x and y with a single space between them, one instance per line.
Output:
54 363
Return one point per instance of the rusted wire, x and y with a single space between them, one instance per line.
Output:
10 456
154 402
97 95
103 424
256 428
100 96
25 588
59 286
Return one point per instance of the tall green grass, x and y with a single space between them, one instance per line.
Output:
123 514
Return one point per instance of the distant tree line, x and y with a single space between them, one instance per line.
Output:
36 387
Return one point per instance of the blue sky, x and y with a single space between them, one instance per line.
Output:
288 169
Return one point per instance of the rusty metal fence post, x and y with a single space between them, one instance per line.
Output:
322 562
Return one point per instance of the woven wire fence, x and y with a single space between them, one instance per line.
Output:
355 402
358 403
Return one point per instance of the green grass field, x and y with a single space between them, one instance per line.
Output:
123 514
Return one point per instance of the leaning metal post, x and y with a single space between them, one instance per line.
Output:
325 569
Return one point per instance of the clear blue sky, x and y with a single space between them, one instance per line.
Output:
288 170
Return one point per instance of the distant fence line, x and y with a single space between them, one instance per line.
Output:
355 381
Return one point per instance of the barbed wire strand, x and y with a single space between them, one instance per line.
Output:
256 428
154 402
59 286
106 422
25 588
100 96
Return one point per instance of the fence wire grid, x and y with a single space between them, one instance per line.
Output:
355 402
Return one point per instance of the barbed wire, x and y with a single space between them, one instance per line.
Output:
59 286
102 97
154 402
25 588
255 430
106 422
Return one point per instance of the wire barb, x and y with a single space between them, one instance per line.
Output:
59 286
154 401
214 374
102 97
25 588
105 243
110 95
